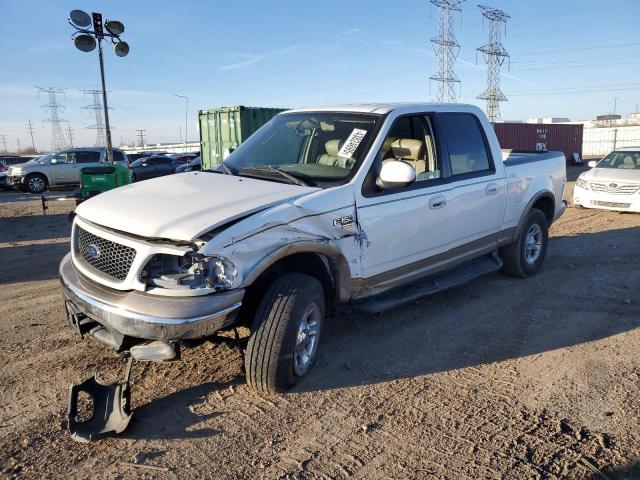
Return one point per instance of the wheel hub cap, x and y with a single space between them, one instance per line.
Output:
533 244
307 340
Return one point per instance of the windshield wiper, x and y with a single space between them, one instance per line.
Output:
267 172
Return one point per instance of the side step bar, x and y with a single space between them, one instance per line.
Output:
429 285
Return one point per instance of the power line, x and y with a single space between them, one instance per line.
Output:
446 49
30 130
97 109
54 108
141 137
494 56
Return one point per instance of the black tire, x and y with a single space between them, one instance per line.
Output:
517 262
36 183
271 360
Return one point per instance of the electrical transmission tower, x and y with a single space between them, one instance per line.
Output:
54 108
98 111
141 137
494 56
3 139
70 134
446 49
30 130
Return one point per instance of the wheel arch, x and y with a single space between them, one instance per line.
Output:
543 201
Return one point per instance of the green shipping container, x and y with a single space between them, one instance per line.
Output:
223 129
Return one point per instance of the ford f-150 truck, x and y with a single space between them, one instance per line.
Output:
367 205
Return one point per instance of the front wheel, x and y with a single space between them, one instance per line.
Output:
36 183
285 333
525 255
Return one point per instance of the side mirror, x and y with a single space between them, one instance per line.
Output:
395 174
592 164
144 164
54 161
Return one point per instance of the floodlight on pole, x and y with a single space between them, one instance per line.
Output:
85 39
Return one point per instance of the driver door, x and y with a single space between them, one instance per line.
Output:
63 168
406 228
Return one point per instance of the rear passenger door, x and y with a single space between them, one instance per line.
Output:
86 158
477 198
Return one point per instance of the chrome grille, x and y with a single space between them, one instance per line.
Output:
615 188
110 258
600 203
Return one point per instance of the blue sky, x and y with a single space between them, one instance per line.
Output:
568 58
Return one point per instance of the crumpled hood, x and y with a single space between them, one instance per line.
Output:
617 175
186 205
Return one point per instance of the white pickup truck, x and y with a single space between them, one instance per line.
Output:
367 205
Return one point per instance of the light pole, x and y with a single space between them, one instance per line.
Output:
85 40
186 115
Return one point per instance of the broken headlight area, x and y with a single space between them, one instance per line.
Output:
189 272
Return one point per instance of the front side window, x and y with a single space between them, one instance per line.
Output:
411 140
65 157
118 156
626 160
305 148
467 148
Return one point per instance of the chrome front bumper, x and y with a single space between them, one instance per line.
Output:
140 315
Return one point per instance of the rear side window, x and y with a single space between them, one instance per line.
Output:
118 156
467 148
87 157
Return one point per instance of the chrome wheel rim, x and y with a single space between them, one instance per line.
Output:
307 339
533 244
36 184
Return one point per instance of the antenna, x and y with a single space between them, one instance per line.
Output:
96 107
494 56
141 137
30 130
446 49
54 108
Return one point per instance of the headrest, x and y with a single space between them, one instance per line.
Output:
386 145
333 147
407 148
628 160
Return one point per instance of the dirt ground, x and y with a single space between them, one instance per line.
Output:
501 378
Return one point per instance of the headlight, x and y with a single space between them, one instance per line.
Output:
192 271
582 183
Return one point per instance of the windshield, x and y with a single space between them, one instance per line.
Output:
628 160
313 147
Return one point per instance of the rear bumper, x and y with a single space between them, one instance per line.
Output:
143 316
606 201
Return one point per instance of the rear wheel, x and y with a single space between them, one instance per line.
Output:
36 183
525 255
285 333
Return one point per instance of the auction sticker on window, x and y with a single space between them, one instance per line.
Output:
352 143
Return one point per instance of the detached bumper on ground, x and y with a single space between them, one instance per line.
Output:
143 316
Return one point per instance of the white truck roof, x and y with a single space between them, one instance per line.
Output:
384 108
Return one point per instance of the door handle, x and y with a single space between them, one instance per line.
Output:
491 189
437 202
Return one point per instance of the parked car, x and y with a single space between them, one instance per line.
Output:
372 206
193 165
135 156
59 169
183 157
152 167
613 183
14 159
3 175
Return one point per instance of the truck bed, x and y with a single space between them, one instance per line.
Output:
517 157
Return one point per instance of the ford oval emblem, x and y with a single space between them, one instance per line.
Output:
613 185
93 251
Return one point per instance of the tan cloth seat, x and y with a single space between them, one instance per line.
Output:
332 147
628 162
411 151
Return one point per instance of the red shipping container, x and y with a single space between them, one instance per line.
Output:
541 137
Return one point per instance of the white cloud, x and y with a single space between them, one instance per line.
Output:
250 58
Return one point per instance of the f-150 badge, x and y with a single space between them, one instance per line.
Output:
344 222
